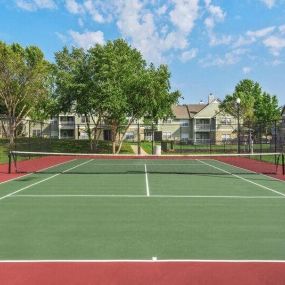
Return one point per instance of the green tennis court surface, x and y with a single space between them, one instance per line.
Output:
139 209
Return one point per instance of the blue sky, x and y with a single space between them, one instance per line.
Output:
209 45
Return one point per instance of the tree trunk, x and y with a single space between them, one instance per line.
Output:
12 132
123 136
89 133
113 135
96 132
4 128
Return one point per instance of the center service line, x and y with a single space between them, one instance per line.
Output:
146 181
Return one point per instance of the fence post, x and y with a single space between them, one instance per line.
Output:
29 140
152 138
139 141
210 137
180 134
275 136
260 138
283 163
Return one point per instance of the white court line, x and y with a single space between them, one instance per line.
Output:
242 178
251 171
43 180
25 175
140 196
146 181
152 164
144 261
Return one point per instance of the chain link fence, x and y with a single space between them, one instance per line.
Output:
67 135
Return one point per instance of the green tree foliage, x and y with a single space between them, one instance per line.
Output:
131 89
24 84
113 84
76 90
255 105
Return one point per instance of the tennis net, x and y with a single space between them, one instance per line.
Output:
68 163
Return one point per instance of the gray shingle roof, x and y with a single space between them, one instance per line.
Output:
186 111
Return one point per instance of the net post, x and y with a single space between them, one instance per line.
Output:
10 162
283 163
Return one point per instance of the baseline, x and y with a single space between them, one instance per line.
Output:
141 196
242 178
43 180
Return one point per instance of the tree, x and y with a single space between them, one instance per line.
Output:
129 88
248 91
267 112
24 83
256 105
266 108
257 108
112 84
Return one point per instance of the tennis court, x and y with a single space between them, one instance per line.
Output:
126 210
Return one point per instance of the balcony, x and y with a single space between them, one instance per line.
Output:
203 127
67 125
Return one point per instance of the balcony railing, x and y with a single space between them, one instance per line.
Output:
202 141
66 123
202 127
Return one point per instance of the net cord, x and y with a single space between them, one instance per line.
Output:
133 155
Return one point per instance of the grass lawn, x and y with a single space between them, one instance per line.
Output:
56 145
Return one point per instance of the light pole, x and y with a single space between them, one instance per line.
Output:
238 119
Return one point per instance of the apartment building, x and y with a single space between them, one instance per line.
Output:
191 123
200 124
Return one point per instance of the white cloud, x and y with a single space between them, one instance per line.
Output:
74 7
269 3
260 33
81 22
216 14
276 62
87 39
143 28
156 28
96 9
162 10
93 11
63 38
246 70
282 29
222 40
188 55
275 44
230 58
184 14
252 37
33 5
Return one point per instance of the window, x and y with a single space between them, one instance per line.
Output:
184 123
166 135
226 121
36 133
129 136
67 120
167 121
84 120
226 137
184 137
203 121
